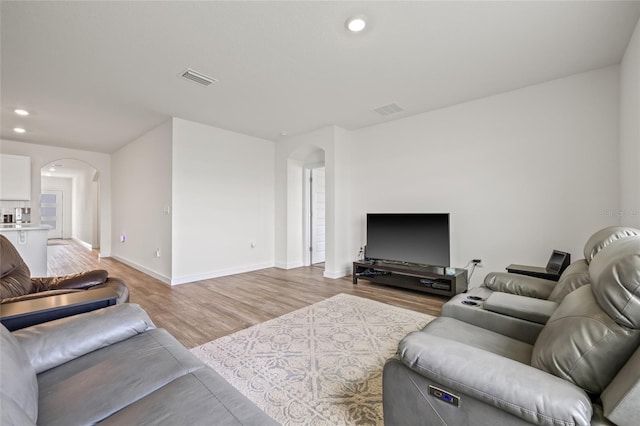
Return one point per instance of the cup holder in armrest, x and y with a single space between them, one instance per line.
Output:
474 298
469 302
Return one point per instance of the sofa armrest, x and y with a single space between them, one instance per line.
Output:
525 308
117 285
26 311
83 280
53 343
519 389
522 285
79 281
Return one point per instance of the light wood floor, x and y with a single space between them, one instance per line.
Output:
199 312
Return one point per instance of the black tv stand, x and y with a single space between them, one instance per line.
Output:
428 279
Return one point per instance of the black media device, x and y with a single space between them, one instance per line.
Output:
417 238
558 262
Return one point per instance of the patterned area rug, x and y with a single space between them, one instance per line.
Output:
319 365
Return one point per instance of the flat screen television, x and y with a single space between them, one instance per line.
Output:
418 238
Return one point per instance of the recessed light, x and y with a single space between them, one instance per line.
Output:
19 130
355 24
21 111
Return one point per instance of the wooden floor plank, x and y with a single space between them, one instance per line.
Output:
199 312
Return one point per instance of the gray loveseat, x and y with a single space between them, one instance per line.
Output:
112 366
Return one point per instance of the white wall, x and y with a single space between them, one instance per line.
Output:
223 200
629 211
295 213
521 173
44 154
64 185
141 192
83 207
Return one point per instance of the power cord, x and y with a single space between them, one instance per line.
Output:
474 263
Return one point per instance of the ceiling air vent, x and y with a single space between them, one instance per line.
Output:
389 109
197 77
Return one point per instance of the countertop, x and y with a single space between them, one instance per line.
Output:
23 227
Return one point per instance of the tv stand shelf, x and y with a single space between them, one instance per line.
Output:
427 279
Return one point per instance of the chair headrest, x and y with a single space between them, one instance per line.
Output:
605 236
10 259
15 277
615 279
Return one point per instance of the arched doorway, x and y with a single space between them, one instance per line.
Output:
69 201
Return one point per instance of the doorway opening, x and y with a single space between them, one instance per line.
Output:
315 206
69 201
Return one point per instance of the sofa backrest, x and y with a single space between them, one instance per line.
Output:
600 239
596 328
577 274
615 274
15 277
19 386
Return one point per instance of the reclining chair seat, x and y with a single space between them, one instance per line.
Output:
585 353
16 283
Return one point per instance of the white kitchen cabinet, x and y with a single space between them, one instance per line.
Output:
15 177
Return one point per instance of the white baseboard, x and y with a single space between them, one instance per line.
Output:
82 243
334 275
141 268
290 265
220 273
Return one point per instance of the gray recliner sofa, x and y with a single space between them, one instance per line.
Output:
584 367
112 366
518 305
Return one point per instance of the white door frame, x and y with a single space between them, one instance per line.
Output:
310 218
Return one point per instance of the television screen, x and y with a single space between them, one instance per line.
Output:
421 238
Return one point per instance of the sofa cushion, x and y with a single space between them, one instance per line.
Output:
94 386
615 274
202 394
478 337
18 385
582 344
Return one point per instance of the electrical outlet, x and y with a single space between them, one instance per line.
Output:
252 244
123 238
158 253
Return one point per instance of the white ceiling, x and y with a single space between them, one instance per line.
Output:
98 74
